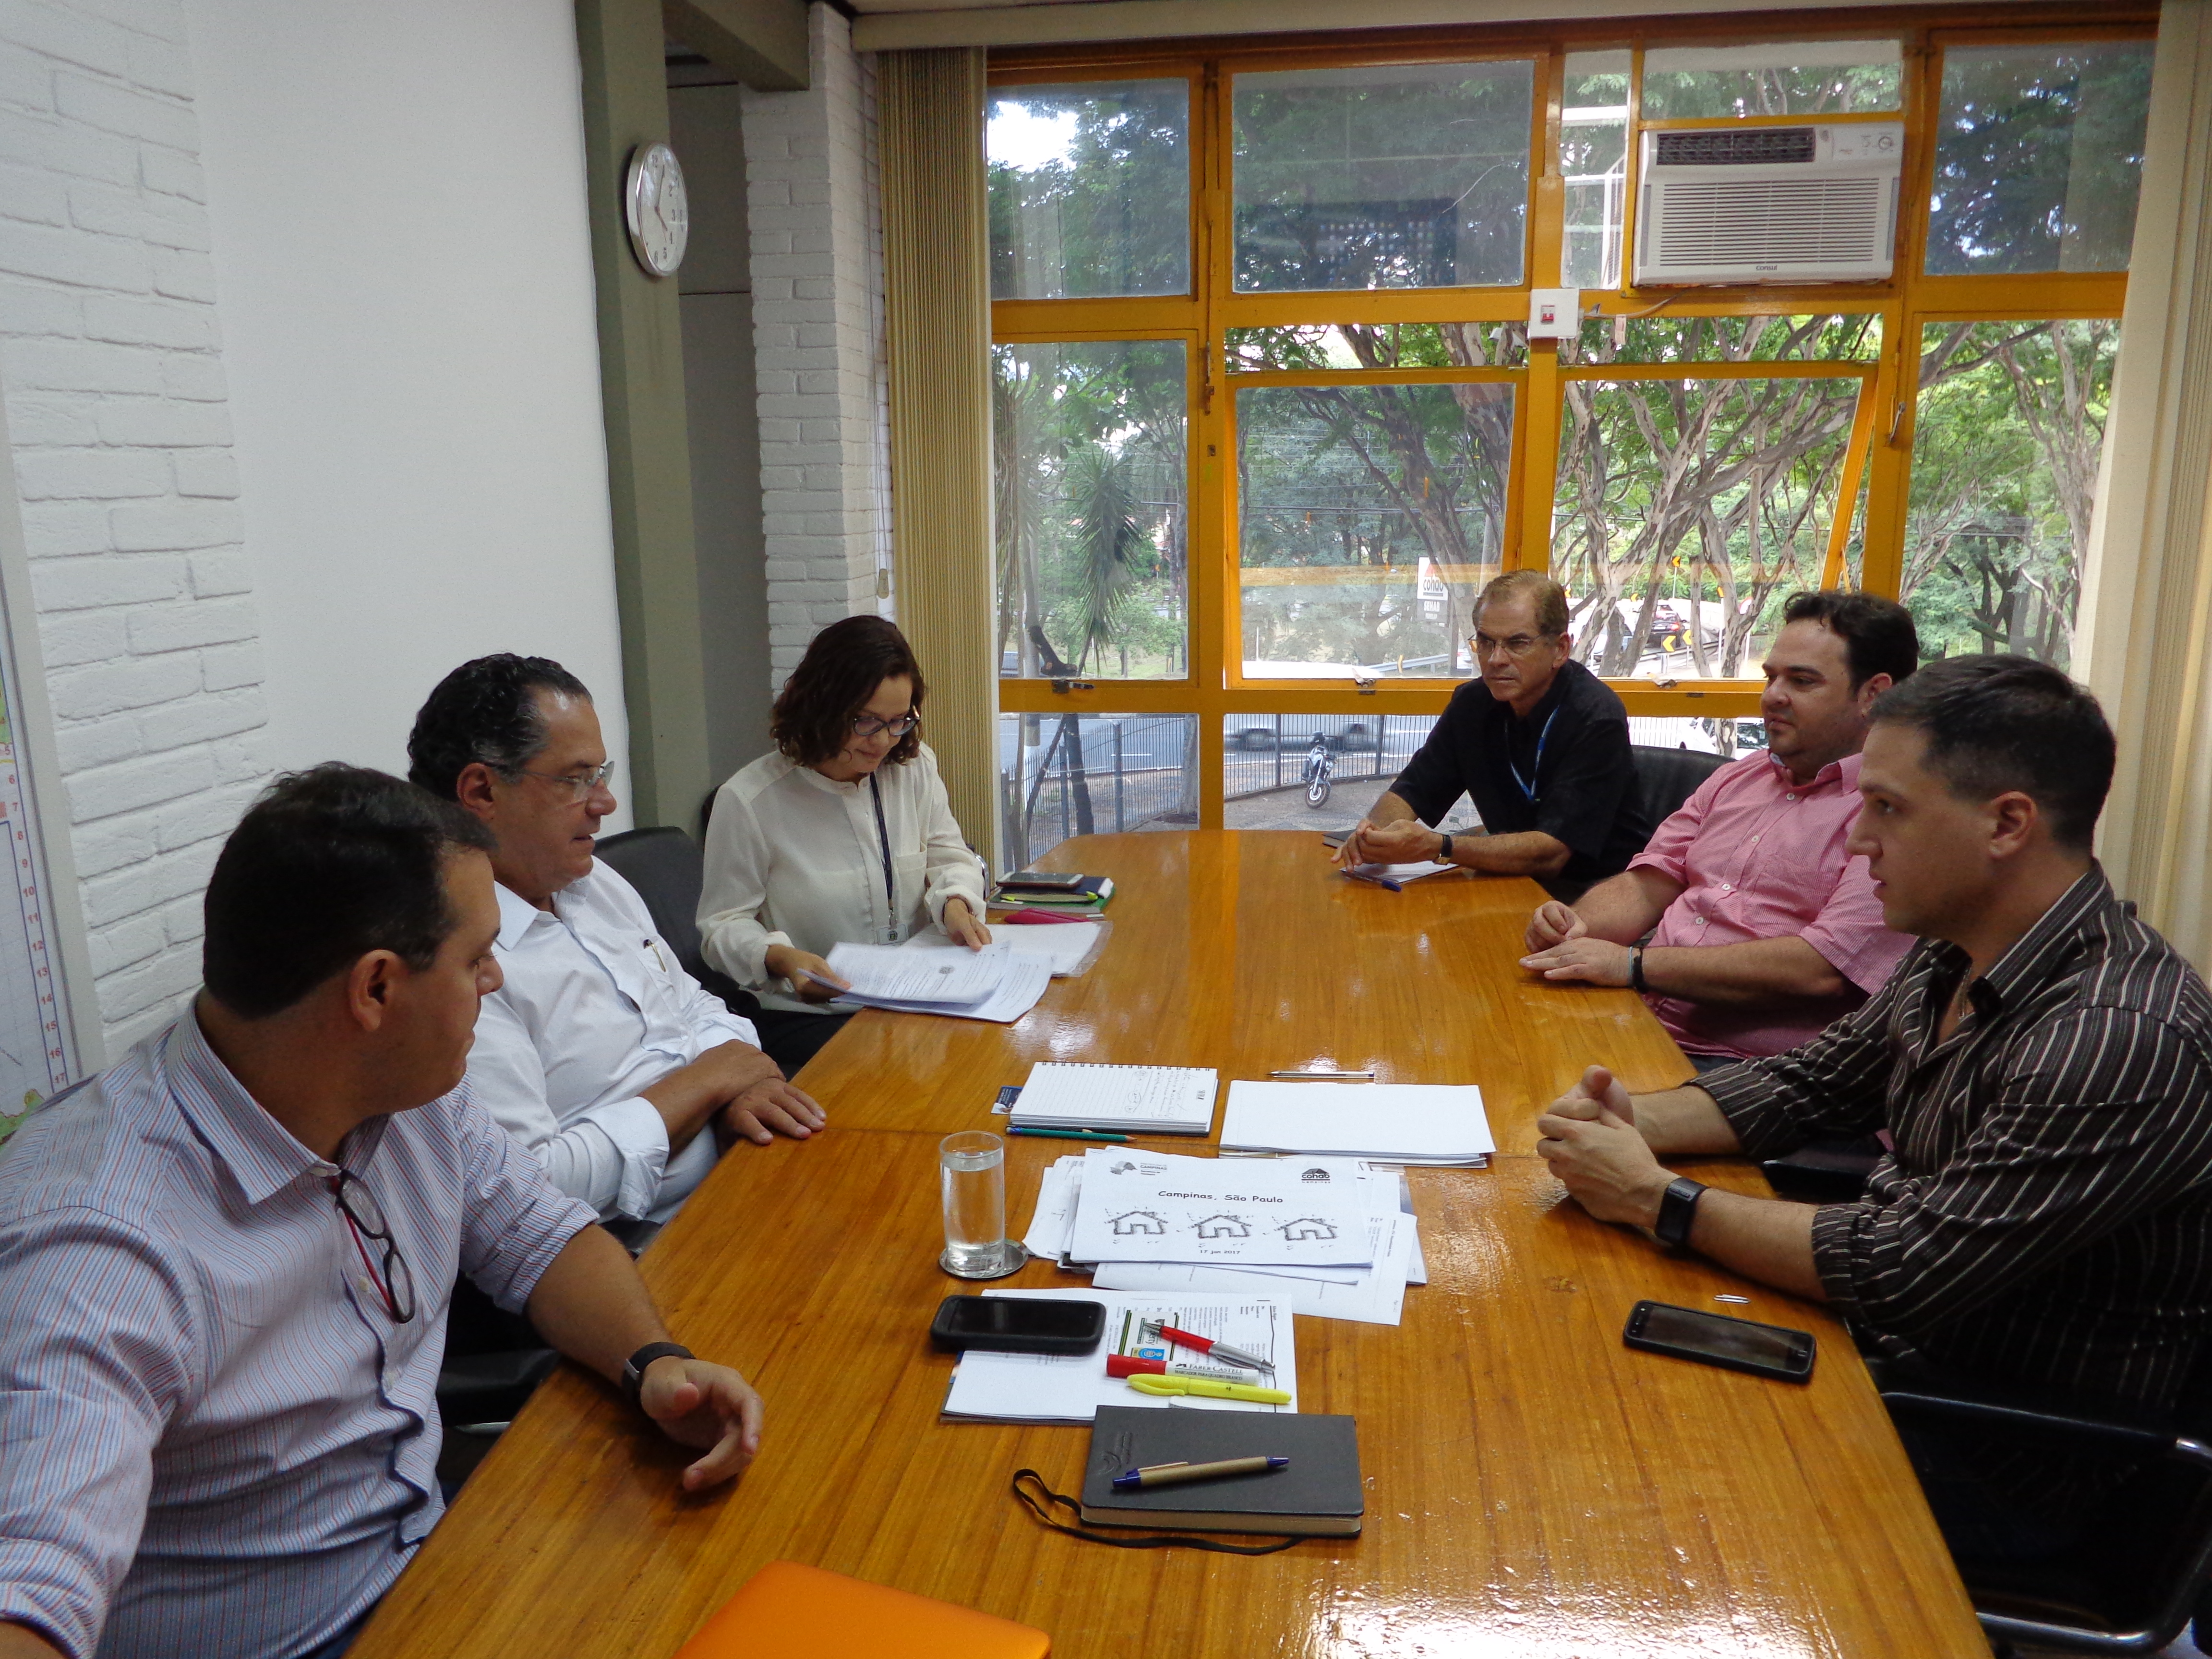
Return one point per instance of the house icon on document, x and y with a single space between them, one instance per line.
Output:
1138 1221
1308 1228
1223 1226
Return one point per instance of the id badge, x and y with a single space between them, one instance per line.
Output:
896 933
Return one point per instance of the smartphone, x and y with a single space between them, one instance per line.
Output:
1335 837
1041 881
1736 1345
1007 1324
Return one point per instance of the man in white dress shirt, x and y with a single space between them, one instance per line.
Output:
599 1053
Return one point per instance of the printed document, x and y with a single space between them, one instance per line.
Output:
1375 1297
1068 946
1389 1123
1240 1212
886 973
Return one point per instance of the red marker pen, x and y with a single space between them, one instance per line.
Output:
1130 1365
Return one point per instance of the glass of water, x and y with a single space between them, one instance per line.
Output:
972 1176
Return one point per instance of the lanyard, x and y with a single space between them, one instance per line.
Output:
884 838
1528 787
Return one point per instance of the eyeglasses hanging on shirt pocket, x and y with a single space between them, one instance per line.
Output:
364 1218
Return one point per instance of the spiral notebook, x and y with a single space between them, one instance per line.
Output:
1152 1100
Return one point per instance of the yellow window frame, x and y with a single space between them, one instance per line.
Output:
1880 444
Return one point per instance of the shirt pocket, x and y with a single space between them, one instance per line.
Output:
1791 890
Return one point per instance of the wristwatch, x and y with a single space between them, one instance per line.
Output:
1443 852
632 1378
1678 1209
1636 969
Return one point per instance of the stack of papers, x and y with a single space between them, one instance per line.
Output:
1331 1238
1154 1100
1388 1122
1401 874
992 983
1031 1388
1068 948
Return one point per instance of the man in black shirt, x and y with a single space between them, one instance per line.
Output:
1539 743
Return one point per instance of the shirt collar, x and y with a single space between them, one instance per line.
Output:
517 915
2031 954
260 1153
1844 773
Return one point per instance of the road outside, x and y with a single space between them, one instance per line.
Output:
1286 808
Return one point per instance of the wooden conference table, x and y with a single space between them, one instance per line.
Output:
1534 1487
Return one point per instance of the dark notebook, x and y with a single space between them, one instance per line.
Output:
1319 1495
1090 893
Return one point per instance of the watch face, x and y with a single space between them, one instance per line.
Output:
657 212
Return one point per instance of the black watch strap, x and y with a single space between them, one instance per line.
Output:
633 1378
1443 852
1678 1209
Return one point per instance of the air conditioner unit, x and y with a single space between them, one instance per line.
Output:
1813 204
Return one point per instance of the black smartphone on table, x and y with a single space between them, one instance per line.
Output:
1736 1345
1008 1324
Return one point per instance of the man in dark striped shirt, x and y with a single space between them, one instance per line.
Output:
2041 1063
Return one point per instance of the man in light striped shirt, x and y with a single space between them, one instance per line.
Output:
225 1263
2041 1060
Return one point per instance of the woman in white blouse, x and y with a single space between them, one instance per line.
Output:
844 833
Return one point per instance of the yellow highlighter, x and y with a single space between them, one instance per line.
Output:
1148 1384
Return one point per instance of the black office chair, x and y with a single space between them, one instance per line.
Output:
2143 1568
494 1362
1669 777
666 867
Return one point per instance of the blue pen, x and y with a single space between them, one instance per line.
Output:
1380 881
1173 1474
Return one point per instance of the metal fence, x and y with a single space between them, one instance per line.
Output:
1116 776
1365 746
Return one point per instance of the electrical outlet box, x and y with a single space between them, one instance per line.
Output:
1554 313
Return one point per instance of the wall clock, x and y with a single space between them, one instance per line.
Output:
657 210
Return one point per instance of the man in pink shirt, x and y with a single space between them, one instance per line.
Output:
1766 927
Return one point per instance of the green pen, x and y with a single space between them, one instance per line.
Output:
1068 1134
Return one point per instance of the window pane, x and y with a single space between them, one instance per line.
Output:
1064 774
1731 737
2038 157
1804 78
1380 345
1090 189
1367 519
1688 510
2006 437
1090 517
1830 337
1394 176
1266 760
1593 162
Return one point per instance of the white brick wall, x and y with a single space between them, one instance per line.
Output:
817 231
110 361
